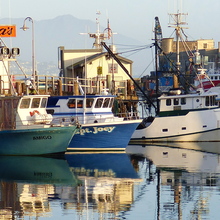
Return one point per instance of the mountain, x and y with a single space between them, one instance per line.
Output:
62 31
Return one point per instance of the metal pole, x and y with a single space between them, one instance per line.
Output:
24 28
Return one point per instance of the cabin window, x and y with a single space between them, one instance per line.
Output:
168 102
210 101
25 103
98 103
44 103
216 77
89 103
106 103
176 101
35 103
183 101
207 101
71 103
165 130
79 103
183 128
183 155
165 154
111 102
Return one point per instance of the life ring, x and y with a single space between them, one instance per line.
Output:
34 112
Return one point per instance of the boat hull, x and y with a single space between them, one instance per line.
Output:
36 141
104 136
196 126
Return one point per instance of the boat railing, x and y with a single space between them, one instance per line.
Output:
29 124
128 115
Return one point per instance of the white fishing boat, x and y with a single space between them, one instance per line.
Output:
182 116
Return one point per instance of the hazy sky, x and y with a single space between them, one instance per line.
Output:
133 17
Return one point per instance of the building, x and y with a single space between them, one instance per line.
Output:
96 66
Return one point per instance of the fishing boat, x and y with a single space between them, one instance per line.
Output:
25 126
27 129
181 115
208 79
100 129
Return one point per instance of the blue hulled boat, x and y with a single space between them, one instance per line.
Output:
100 129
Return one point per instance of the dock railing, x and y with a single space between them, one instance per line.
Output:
55 85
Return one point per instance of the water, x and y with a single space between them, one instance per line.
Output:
146 182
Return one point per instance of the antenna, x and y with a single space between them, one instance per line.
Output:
99 36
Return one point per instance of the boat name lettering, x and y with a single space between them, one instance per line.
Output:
40 174
81 171
95 130
42 137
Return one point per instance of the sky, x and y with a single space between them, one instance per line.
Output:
134 17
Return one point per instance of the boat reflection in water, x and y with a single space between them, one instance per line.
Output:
108 181
78 186
187 180
27 183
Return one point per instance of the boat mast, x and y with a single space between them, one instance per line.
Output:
178 22
158 38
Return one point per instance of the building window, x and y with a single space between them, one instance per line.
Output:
205 46
113 68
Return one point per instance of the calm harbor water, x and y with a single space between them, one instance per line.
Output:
145 182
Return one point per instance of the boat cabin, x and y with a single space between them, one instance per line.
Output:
18 112
32 110
88 109
181 104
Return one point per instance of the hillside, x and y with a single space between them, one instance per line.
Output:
63 31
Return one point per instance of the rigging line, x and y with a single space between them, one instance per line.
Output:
146 68
135 48
146 47
131 53
186 47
